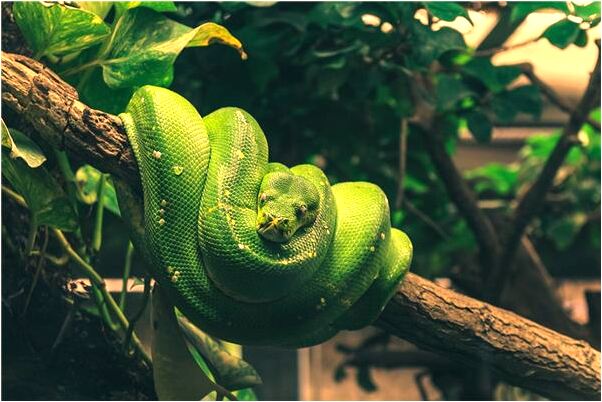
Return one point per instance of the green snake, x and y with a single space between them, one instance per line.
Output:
254 252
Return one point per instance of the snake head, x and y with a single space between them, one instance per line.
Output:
285 204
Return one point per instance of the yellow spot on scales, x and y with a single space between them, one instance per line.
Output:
177 170
240 154
372 248
163 203
382 235
156 154
161 221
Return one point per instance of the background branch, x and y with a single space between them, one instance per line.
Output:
457 326
532 200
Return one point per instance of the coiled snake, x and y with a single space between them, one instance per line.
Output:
254 252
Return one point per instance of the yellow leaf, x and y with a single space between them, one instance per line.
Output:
210 33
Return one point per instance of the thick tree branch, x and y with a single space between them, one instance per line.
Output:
533 199
519 351
522 352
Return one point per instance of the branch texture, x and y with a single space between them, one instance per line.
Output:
520 351
457 326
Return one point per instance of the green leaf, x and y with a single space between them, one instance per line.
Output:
446 11
21 146
496 177
177 375
58 30
495 78
562 33
100 8
563 230
210 33
581 40
144 48
95 93
230 371
47 202
588 12
479 125
450 90
160 6
433 44
521 9
526 99
87 178
246 394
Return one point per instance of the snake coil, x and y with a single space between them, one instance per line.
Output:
253 252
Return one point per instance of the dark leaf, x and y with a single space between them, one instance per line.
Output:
479 125
450 90
364 379
446 11
47 202
562 33
521 9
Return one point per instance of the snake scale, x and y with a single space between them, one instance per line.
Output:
253 252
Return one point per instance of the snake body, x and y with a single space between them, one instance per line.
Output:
254 252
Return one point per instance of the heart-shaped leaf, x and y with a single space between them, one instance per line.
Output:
57 29
87 178
47 202
209 33
177 376
230 371
21 146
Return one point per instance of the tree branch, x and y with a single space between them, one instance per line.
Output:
520 351
533 199
527 69
457 326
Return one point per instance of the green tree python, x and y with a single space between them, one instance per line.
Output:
253 252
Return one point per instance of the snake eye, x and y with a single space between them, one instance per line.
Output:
301 210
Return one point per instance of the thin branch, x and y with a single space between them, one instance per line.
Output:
533 199
457 188
403 145
528 71
425 218
505 48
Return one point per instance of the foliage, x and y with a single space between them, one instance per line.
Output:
330 83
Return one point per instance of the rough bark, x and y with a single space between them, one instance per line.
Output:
520 351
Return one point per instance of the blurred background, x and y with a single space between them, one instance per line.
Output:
328 83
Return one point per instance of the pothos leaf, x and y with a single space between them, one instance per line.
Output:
47 202
87 178
21 146
161 6
57 29
100 8
209 33
177 376
231 372
144 48
146 44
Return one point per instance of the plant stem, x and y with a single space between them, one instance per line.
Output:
97 235
127 267
136 317
88 271
31 237
37 273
